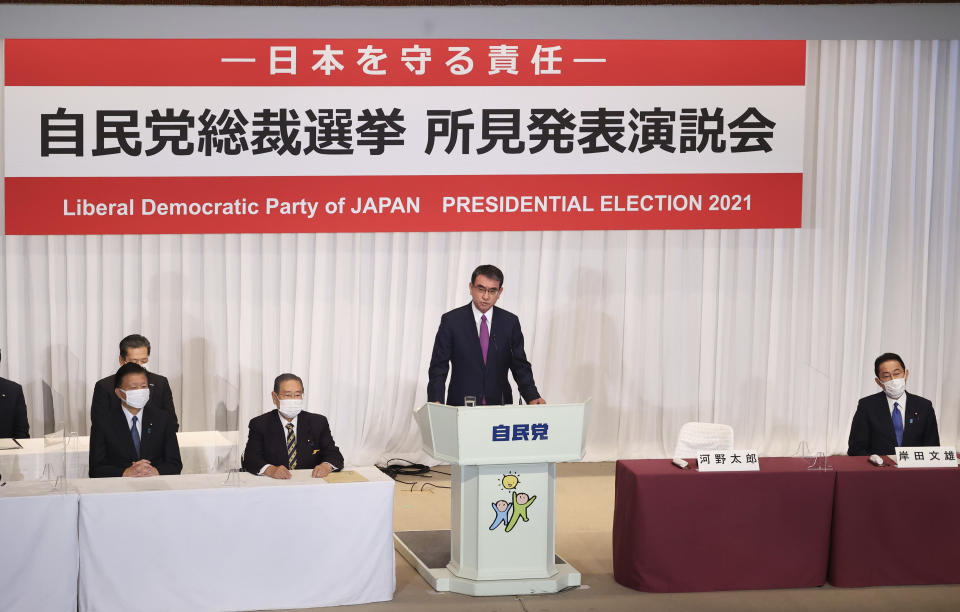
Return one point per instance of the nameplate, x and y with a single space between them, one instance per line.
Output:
728 461
926 456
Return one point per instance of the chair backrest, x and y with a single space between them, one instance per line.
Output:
695 437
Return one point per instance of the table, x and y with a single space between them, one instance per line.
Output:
682 530
38 538
202 452
190 543
893 525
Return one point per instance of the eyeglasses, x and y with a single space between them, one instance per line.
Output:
294 395
485 291
888 376
138 361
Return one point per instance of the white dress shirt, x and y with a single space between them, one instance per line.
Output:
130 416
283 422
902 403
477 314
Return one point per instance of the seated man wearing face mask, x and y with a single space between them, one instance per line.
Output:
892 417
133 438
288 439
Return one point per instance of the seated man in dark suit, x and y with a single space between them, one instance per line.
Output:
134 349
135 439
480 342
13 410
287 438
892 417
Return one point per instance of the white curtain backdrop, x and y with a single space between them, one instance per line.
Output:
771 331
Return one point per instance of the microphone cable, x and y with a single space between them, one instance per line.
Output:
409 468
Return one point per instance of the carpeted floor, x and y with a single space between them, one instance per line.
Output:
584 523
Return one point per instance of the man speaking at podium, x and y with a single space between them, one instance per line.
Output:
481 342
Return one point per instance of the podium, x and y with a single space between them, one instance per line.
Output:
503 497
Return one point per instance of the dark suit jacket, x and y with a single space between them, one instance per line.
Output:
160 396
111 445
871 432
13 411
267 442
458 345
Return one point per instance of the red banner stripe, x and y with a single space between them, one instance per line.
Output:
385 203
168 62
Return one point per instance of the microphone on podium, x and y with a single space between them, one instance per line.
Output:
493 339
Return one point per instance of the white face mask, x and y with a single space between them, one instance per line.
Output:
894 387
137 398
290 407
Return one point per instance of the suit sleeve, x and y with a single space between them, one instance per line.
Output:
21 426
931 434
440 362
253 456
520 367
99 468
859 442
167 403
329 452
171 463
100 402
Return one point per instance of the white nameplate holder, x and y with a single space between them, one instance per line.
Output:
728 461
925 456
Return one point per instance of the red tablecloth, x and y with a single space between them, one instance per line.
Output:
681 530
894 525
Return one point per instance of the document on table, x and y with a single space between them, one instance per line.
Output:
345 476
9 444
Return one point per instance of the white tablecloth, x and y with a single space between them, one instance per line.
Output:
38 548
190 543
202 452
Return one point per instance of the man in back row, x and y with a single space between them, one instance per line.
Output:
892 417
134 349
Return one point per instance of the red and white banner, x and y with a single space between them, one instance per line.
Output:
337 135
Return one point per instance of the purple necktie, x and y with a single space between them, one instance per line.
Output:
484 345
484 337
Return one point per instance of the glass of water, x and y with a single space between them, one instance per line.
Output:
470 401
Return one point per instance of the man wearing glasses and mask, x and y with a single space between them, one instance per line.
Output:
480 342
892 417
288 438
135 349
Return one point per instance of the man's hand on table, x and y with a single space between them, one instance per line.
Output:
140 469
322 471
278 471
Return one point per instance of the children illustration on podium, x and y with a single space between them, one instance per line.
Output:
501 507
509 513
521 501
